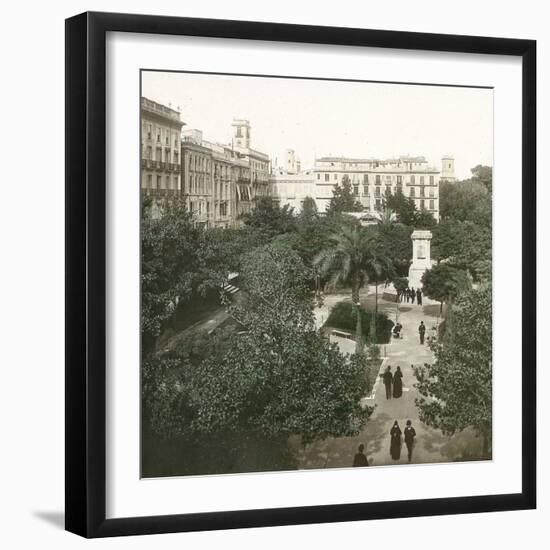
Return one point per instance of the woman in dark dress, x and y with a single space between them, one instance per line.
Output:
398 383
395 445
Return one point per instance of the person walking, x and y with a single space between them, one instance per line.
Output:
410 434
395 441
398 383
421 331
407 294
387 377
419 297
360 459
413 294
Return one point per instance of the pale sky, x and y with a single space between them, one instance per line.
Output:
318 118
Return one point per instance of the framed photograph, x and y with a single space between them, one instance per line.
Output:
300 274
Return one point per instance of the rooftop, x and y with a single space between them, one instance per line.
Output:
160 109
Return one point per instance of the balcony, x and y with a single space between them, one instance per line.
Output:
162 193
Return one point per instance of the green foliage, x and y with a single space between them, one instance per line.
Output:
309 211
468 200
456 390
169 266
343 199
404 207
310 236
424 220
483 174
394 242
445 283
343 316
275 375
466 245
269 219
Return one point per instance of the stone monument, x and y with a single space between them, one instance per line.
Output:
421 260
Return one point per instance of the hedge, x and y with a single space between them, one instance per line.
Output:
343 317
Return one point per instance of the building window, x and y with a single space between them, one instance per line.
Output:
336 177
388 188
356 190
377 205
432 192
377 179
399 180
377 191
421 180
159 184
327 176
149 153
365 189
432 205
365 178
167 182
149 181
411 194
431 180
422 191
412 179
422 204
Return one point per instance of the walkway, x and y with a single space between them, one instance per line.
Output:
431 445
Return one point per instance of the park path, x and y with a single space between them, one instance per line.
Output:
431 446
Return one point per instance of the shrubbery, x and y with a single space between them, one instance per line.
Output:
343 317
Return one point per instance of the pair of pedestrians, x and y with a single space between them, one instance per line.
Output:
393 382
396 441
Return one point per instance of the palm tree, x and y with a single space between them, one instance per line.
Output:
349 260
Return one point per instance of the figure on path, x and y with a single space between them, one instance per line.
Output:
360 458
410 434
421 331
419 297
413 294
395 443
398 383
387 377
408 294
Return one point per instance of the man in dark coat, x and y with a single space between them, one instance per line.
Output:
421 331
419 297
387 377
360 459
410 434
413 294
407 294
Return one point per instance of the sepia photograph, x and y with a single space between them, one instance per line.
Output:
316 273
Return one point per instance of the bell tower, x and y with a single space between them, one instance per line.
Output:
448 168
241 133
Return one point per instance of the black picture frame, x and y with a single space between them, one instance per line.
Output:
86 263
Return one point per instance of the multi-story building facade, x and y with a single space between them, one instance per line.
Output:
372 178
291 189
221 182
252 170
160 150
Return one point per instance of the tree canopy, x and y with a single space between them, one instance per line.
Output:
456 390
343 199
274 374
445 283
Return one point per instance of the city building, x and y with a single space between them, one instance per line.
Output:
448 169
252 172
221 182
291 189
160 150
372 178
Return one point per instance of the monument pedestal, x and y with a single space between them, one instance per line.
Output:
421 257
